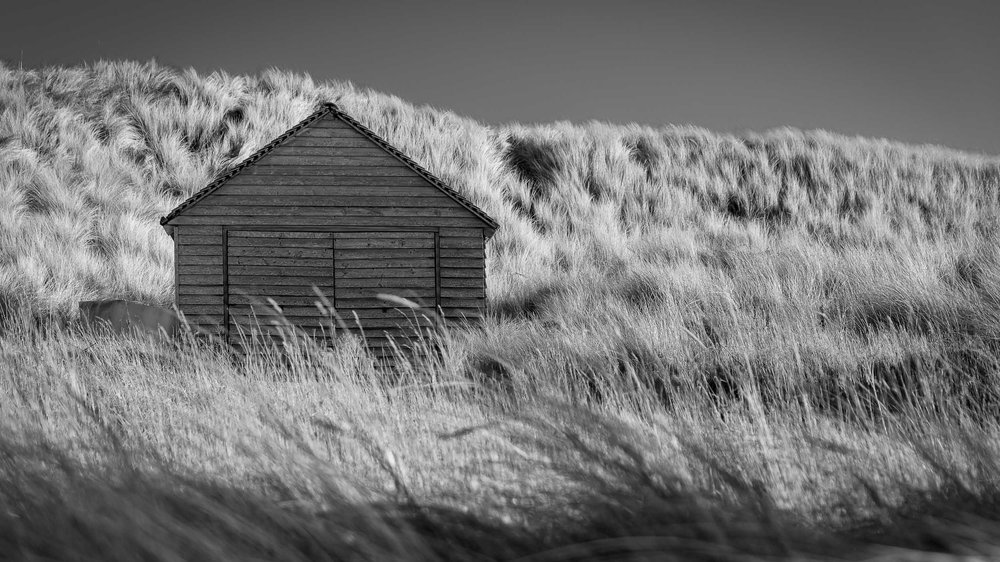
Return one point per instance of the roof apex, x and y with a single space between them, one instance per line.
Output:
329 108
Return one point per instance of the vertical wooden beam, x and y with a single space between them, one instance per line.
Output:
225 282
482 234
437 271
177 275
333 265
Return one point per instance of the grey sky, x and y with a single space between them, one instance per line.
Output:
920 72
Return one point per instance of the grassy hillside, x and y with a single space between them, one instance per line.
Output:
800 324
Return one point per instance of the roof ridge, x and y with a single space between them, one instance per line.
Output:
260 153
412 164
324 109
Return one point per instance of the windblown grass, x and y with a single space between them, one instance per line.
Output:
708 345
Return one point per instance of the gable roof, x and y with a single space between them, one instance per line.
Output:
330 108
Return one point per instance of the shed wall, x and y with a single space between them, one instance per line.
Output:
329 177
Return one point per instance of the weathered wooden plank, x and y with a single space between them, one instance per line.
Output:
273 290
368 253
182 260
325 181
339 142
288 170
461 282
245 203
199 269
463 303
429 235
188 300
281 192
291 220
459 263
303 269
413 293
359 303
384 161
203 309
305 243
328 132
454 232
267 310
183 290
261 251
373 328
279 261
384 263
377 273
301 280
391 313
201 250
452 242
200 279
330 122
386 284
343 151
462 272
202 239
303 299
460 253
461 292
281 234
425 242
352 208
194 231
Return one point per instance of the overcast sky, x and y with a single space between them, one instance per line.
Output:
921 72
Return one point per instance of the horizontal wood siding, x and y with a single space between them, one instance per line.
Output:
252 274
350 268
198 275
463 279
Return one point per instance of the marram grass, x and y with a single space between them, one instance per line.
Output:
698 346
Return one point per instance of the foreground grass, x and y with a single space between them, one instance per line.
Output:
118 448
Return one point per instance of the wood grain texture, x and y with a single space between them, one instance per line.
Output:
462 232
462 272
368 253
183 289
342 151
382 162
188 300
185 260
361 243
386 284
252 181
453 242
290 220
337 142
322 237
327 132
383 273
328 171
462 263
459 253
253 251
200 250
461 282
359 207
335 198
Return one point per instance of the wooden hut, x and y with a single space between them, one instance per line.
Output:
328 205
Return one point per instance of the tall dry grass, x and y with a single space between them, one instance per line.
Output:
779 345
